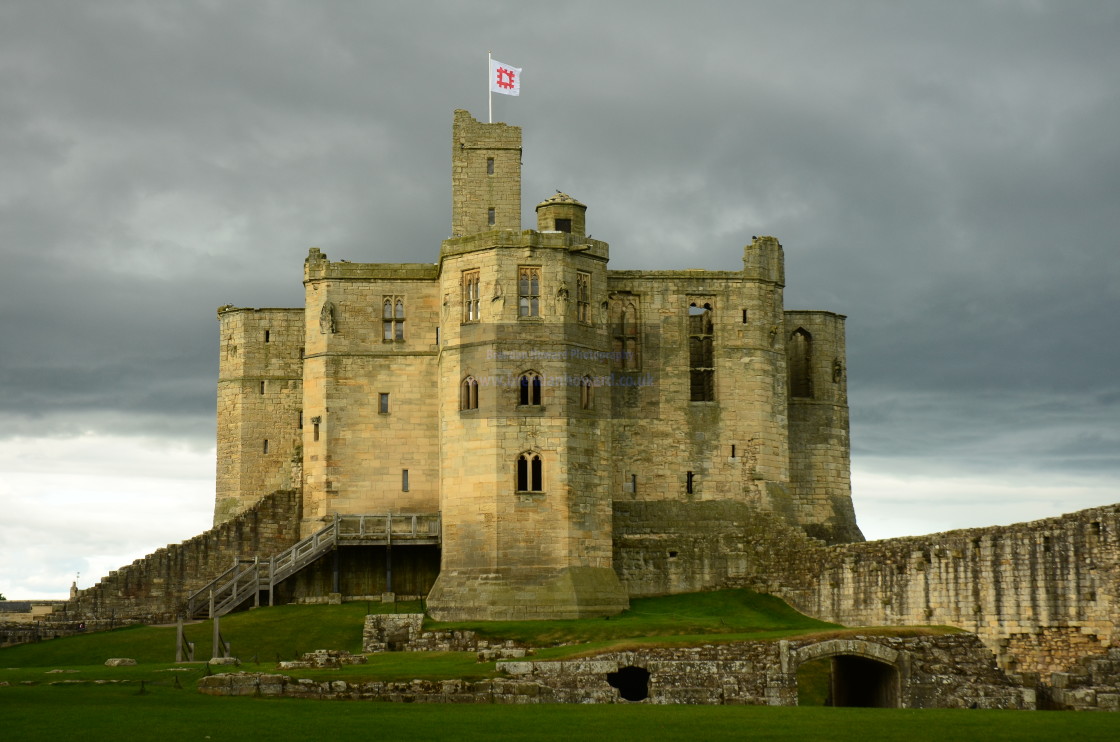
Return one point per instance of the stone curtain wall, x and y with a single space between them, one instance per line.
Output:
155 588
953 671
1040 594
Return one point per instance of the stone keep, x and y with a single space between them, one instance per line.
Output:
522 390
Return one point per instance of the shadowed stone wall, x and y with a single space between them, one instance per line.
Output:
155 588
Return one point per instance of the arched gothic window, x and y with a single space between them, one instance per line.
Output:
529 389
392 319
800 355
530 476
701 358
468 394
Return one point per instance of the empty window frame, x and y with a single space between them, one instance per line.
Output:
529 389
627 350
471 306
701 358
800 357
392 319
404 480
528 291
563 225
383 403
489 165
491 216
586 393
530 474
468 394
583 297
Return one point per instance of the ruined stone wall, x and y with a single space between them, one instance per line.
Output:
260 398
155 588
1040 594
930 672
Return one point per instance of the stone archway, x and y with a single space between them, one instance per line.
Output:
863 673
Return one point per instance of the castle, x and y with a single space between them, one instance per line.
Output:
518 432
519 388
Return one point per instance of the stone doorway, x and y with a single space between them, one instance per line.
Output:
860 673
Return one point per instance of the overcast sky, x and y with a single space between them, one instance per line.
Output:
946 174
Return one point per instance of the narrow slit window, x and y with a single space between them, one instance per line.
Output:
404 480
732 450
489 165
314 431
267 334
689 483
262 387
383 403
265 447
300 423
491 217
586 389
744 316
634 483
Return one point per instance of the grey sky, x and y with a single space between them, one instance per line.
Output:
945 174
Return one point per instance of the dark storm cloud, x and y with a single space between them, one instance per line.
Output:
945 175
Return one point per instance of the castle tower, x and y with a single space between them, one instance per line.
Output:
524 440
820 468
260 377
485 176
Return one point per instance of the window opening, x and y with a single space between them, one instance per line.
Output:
315 430
404 480
529 292
468 394
392 319
634 483
266 335
489 165
529 473
689 483
301 419
583 297
627 349
800 353
744 316
470 296
564 225
701 362
262 387
529 389
265 445
491 218
732 450
383 403
585 392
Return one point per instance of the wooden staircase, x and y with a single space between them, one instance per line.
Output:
248 578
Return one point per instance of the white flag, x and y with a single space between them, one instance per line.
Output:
504 79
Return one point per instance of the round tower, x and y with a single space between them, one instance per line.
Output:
562 213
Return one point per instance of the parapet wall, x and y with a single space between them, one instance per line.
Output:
155 588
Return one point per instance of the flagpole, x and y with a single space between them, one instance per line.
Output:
489 91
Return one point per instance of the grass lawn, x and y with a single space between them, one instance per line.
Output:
163 713
156 700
